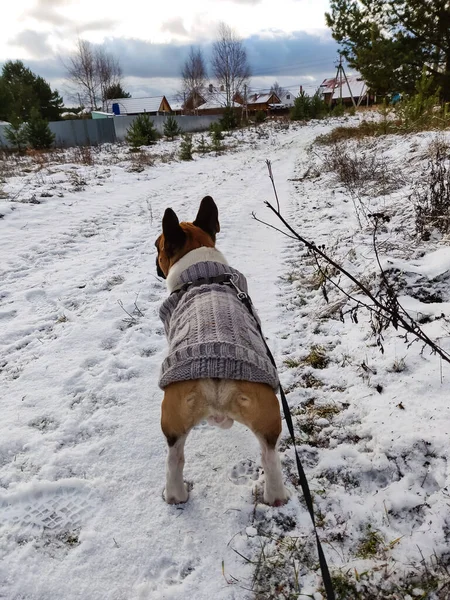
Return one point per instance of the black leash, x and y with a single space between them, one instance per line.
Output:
230 279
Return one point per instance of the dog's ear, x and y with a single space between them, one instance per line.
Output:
174 236
208 217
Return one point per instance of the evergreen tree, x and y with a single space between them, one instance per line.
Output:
186 147
215 131
141 132
260 116
318 106
16 134
302 107
389 41
116 90
171 127
38 132
229 119
203 146
21 91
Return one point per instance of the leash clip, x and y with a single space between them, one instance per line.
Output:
233 278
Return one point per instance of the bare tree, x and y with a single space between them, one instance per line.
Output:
92 71
81 72
277 89
229 62
109 73
194 76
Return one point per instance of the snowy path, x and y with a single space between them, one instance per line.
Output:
82 460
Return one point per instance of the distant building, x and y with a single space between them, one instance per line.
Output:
152 105
335 89
287 98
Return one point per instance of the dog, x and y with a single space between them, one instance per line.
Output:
197 384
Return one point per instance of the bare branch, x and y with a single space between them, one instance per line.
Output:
384 310
229 62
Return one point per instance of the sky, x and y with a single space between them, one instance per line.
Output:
286 41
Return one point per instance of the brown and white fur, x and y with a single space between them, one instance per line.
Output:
220 401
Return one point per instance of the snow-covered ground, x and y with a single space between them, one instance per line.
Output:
81 451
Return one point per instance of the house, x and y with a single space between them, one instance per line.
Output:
215 104
262 101
287 98
335 89
152 105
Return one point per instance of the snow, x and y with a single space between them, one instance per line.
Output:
81 451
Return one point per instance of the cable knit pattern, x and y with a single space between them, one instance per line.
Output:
211 333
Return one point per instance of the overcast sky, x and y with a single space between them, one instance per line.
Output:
286 40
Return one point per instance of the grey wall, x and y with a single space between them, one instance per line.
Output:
91 132
187 123
82 132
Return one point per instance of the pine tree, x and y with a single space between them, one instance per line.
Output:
216 137
141 132
229 119
16 134
171 127
186 147
38 132
301 109
389 41
203 146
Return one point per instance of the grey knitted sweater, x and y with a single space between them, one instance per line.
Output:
211 333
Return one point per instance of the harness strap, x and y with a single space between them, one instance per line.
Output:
230 279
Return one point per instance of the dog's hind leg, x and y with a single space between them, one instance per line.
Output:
259 410
175 491
275 493
181 409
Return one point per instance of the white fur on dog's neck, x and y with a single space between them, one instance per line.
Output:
202 254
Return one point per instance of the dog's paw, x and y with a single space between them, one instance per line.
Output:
276 497
176 495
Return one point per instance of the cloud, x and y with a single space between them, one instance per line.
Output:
153 69
33 42
175 26
45 12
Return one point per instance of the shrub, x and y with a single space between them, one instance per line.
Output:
338 110
309 107
186 147
260 116
229 119
300 111
203 146
141 132
432 201
215 131
171 127
318 106
38 132
421 110
16 135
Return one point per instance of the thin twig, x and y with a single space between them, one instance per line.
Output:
391 312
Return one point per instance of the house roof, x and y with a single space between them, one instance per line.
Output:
357 86
217 100
129 106
262 98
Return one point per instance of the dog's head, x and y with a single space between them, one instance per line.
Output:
177 239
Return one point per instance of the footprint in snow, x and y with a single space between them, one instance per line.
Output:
244 472
55 506
39 301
